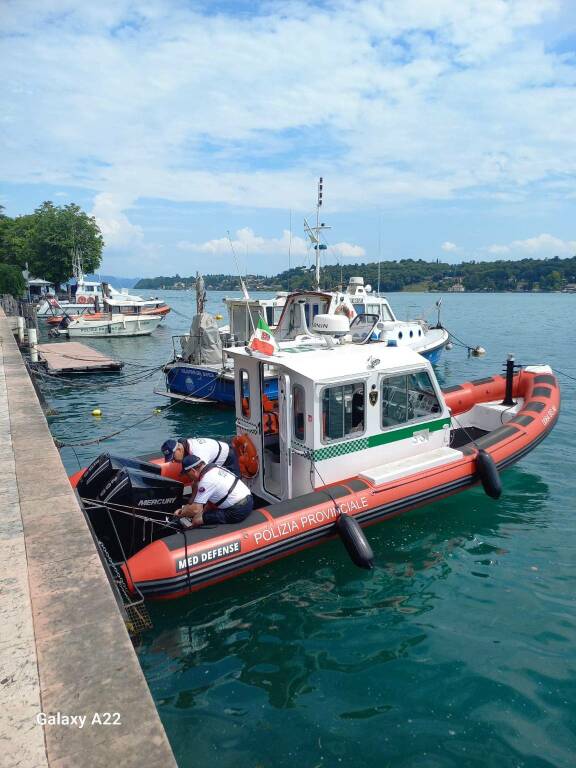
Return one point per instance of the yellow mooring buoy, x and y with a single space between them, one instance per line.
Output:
96 412
218 317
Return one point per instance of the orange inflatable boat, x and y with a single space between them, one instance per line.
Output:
489 427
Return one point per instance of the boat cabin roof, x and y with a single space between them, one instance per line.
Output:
319 363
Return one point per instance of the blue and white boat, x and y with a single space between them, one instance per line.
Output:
203 371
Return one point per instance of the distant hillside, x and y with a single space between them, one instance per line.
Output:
117 282
212 282
526 275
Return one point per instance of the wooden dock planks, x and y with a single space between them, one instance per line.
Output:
74 357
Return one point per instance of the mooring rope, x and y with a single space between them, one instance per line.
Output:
77 443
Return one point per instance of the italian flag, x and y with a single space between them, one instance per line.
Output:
262 339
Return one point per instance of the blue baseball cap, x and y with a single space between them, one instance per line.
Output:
168 449
191 462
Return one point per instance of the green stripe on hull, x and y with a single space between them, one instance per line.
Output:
351 446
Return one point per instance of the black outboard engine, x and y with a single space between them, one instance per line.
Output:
124 500
104 468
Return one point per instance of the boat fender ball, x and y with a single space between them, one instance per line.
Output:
478 351
449 345
355 542
96 412
488 474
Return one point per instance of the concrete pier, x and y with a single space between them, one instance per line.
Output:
64 649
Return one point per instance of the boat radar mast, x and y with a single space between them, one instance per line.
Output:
314 232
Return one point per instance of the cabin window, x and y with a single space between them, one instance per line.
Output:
310 312
408 398
299 410
373 309
245 393
273 315
292 322
243 321
385 313
343 411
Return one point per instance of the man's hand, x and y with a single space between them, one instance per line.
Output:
184 512
193 512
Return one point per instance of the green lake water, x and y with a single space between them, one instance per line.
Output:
459 649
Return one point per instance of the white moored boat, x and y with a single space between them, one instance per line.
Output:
112 326
91 296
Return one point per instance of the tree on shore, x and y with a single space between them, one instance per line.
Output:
47 240
11 280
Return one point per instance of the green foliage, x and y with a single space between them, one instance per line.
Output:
11 280
17 241
407 274
47 239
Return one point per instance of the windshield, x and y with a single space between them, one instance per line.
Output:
363 329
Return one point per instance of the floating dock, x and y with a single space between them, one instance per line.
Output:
73 357
72 689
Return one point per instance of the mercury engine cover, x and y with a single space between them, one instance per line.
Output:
104 468
126 497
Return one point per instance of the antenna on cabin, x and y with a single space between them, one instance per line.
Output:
290 250
318 206
379 252
245 293
242 283
314 232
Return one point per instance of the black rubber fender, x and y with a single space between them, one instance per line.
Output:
355 542
488 474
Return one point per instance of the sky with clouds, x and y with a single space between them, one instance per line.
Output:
195 130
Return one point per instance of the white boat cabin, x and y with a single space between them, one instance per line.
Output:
342 410
243 316
302 307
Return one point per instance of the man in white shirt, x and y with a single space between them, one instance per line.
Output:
209 450
220 496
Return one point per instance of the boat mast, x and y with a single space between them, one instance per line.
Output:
314 233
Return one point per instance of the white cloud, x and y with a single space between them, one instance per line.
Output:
449 247
116 229
396 103
413 101
541 246
247 244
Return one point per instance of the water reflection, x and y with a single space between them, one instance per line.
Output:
458 648
314 612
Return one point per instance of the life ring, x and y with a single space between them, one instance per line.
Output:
247 455
344 309
82 300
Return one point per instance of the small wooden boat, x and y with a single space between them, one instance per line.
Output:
357 434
